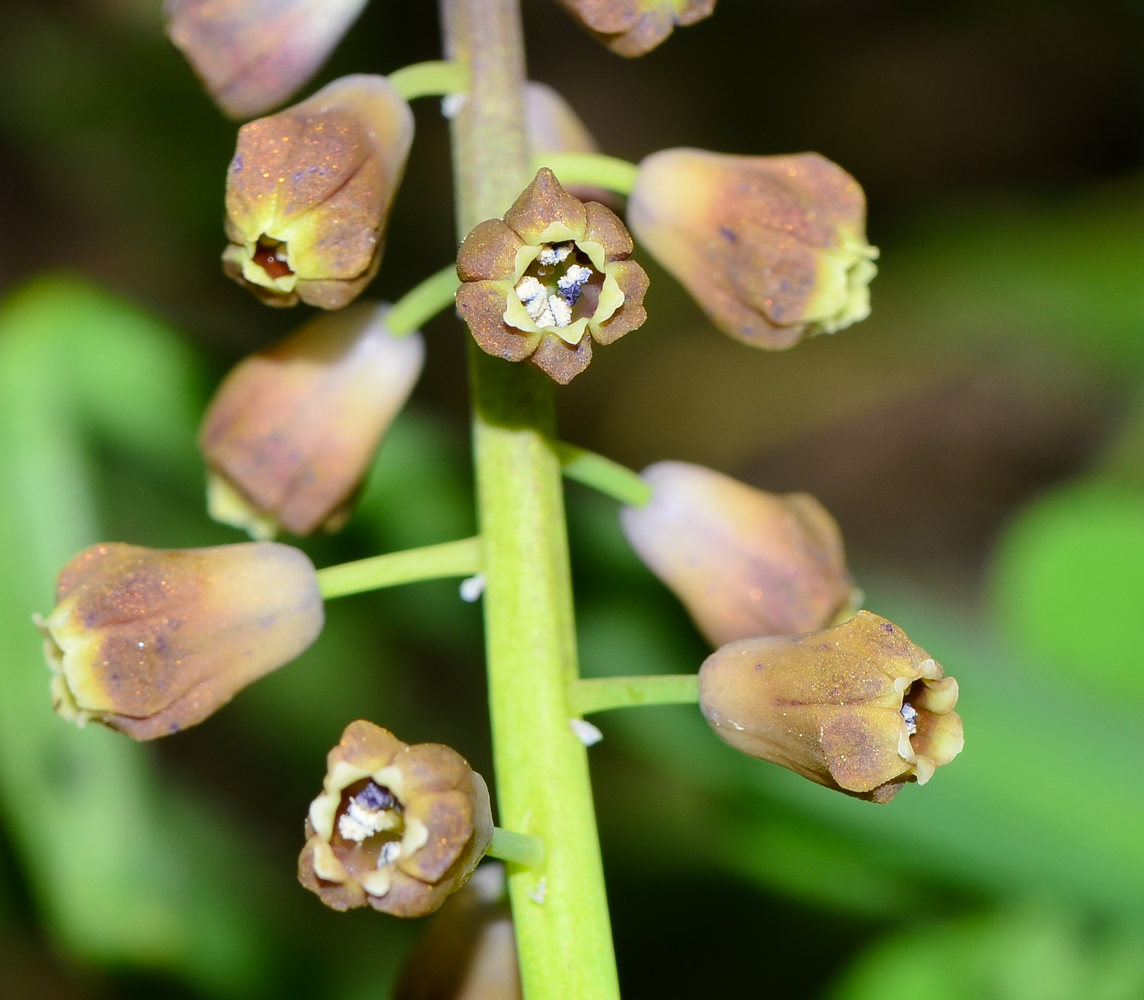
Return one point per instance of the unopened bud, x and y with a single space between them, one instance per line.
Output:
634 27
772 247
858 707
309 190
742 561
469 951
151 641
253 54
550 279
293 429
399 827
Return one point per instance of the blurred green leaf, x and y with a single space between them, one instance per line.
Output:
1037 953
1069 585
108 857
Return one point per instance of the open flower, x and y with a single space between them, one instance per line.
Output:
151 641
772 247
858 707
293 429
399 827
549 279
309 190
634 27
253 54
743 562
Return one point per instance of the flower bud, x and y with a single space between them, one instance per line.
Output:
635 27
743 562
549 279
151 641
469 951
253 54
293 429
857 707
309 190
772 247
399 827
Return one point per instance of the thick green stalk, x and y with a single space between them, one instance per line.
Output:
543 788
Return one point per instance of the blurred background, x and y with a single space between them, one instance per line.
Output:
980 439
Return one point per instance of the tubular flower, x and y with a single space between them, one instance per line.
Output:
399 827
253 54
772 247
743 562
635 27
309 190
151 641
858 707
549 279
292 430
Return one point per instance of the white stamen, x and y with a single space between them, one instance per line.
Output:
555 253
585 732
451 104
561 311
534 296
390 852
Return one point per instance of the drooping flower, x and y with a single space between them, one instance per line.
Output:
549 279
309 190
399 827
292 430
744 562
772 247
857 707
151 641
635 27
254 54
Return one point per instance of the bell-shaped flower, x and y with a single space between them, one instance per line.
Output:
151 641
254 54
857 707
549 279
292 430
309 190
772 247
743 562
634 27
399 827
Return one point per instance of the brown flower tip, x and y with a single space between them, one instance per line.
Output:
743 562
550 279
151 641
399 827
309 190
858 707
635 27
772 247
469 951
253 54
293 429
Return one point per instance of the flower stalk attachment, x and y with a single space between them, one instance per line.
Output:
461 558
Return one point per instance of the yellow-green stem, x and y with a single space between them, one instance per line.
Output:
602 693
421 303
594 169
519 848
461 558
560 909
603 474
430 79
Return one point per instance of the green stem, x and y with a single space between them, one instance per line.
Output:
560 911
603 693
593 169
602 474
430 79
462 558
520 848
419 305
